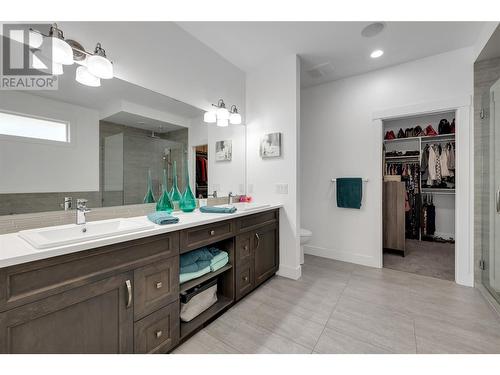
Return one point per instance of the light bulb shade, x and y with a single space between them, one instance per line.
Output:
235 119
222 122
222 114
35 39
84 77
57 69
210 117
62 53
100 66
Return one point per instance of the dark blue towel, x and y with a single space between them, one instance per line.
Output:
195 267
349 192
194 256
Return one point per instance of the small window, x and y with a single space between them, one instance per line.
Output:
32 127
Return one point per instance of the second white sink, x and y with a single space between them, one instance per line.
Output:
43 238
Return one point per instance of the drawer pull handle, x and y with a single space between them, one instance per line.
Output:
258 240
245 278
128 284
158 334
212 232
245 247
159 285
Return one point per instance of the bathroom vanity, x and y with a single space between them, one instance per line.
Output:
121 294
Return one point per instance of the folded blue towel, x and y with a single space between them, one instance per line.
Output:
162 218
194 256
221 255
214 266
195 266
183 277
349 192
218 210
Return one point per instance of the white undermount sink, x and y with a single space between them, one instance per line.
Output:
244 206
44 238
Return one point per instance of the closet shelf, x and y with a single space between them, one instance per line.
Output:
403 157
439 137
192 283
438 191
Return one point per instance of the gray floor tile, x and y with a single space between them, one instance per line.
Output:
204 343
334 342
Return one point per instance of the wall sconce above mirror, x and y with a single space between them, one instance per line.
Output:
221 116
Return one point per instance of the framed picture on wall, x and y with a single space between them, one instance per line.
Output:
224 150
270 145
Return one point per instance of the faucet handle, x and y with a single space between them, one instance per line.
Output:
81 204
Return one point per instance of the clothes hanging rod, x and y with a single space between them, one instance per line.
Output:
335 180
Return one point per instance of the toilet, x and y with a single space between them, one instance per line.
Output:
305 236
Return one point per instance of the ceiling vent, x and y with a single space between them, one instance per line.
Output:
321 70
373 29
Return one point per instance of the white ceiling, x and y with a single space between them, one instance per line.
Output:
249 45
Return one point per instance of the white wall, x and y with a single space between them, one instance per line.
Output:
164 58
338 139
273 104
35 166
227 176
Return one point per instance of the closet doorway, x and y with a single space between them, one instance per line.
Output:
201 171
419 174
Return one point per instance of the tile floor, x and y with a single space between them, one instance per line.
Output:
339 307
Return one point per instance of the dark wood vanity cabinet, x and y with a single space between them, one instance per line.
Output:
257 251
124 298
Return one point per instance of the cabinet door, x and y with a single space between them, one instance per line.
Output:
266 247
94 318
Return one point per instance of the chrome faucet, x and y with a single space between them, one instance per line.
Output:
68 203
81 210
213 195
230 198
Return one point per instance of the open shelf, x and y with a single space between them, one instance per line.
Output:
438 191
192 283
402 157
439 137
189 327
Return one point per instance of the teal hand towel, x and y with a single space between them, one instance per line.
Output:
349 192
162 218
195 267
183 277
219 264
220 256
218 210
195 256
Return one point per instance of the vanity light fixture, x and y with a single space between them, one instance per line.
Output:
93 66
86 78
99 65
235 117
377 53
222 116
62 53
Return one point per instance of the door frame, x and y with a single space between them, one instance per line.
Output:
464 188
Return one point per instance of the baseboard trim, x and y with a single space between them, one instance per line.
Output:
343 256
290 272
489 298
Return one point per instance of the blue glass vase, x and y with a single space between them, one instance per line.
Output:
175 194
188 201
149 197
165 203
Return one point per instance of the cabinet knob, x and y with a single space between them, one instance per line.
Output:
245 247
212 232
158 334
245 278
159 285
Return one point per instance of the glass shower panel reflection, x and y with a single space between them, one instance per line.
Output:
143 153
491 199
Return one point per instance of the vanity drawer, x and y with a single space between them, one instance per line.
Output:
204 235
155 285
158 332
32 281
255 221
244 251
244 279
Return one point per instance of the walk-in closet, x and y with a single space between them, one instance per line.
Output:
419 173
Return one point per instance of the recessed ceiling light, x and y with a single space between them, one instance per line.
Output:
376 53
373 29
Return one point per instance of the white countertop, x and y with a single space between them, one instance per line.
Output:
14 250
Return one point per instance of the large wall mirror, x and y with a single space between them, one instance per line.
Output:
100 143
